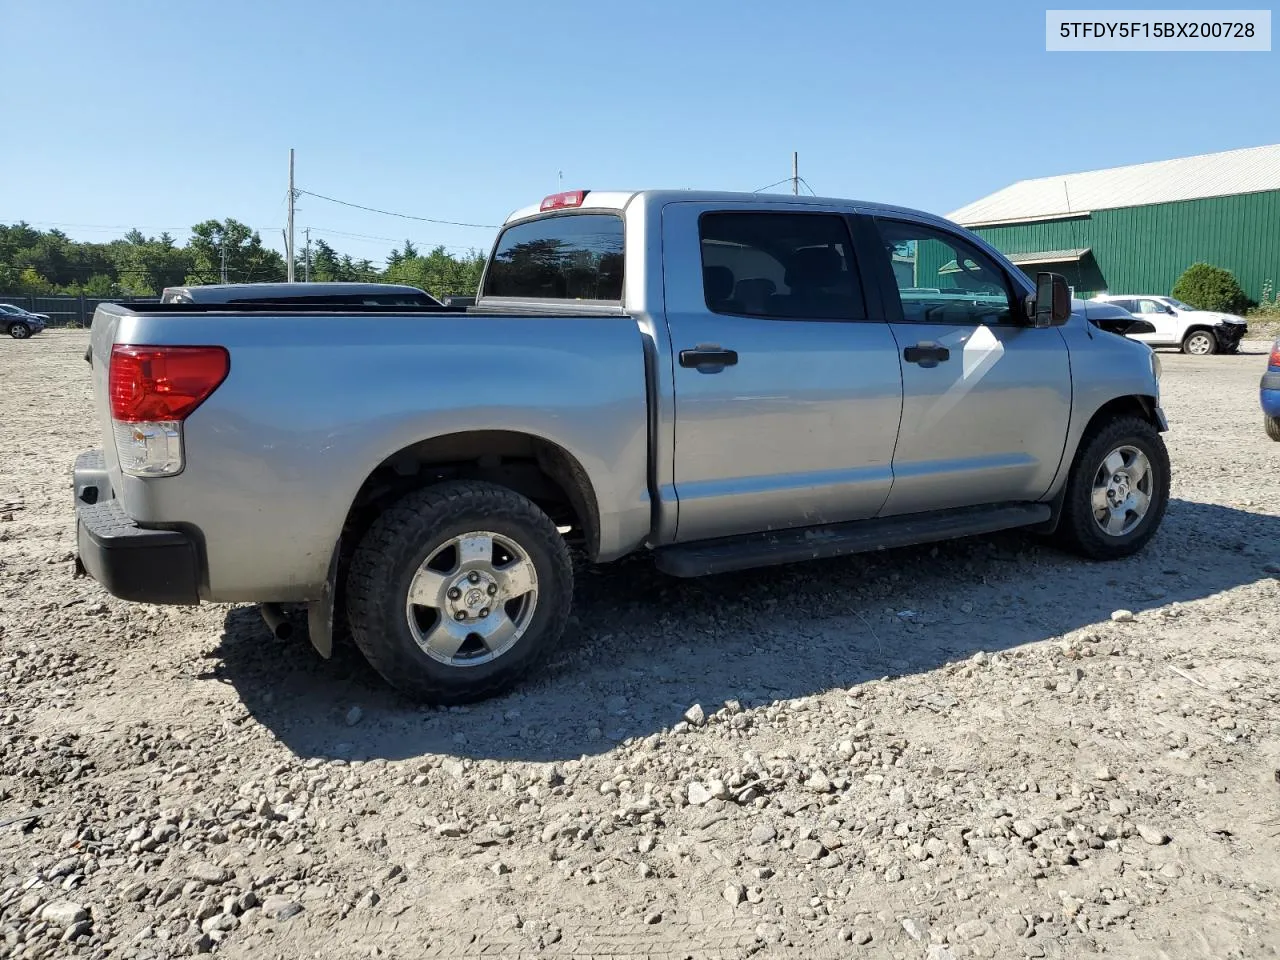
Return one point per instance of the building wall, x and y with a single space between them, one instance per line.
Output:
1145 249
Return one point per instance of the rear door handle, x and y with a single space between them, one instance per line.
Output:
927 354
708 358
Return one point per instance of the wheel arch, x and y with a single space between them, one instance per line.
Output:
533 466
1198 328
1143 406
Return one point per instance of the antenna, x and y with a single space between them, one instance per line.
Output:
288 241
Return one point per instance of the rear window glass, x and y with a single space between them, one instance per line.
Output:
569 257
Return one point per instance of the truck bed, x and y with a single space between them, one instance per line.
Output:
317 398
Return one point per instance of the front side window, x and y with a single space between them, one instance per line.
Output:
787 266
943 279
567 257
1149 306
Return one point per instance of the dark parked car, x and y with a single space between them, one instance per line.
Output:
19 323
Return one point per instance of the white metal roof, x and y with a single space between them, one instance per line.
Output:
1049 256
1249 170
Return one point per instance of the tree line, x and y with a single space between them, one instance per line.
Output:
48 262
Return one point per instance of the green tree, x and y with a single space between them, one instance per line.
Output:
1207 287
247 260
324 262
32 284
146 265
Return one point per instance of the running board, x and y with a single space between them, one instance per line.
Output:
726 554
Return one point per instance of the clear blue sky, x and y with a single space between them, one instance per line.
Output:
159 114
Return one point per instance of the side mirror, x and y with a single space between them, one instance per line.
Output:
1053 301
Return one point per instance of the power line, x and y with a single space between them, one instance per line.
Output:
807 187
93 226
405 216
395 240
774 184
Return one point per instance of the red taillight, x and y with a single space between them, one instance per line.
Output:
1275 355
163 383
558 201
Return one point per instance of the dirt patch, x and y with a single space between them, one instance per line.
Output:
946 752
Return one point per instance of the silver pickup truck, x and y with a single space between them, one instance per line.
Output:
724 380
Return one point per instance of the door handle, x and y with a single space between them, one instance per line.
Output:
708 358
927 354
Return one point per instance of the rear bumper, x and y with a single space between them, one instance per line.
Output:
133 563
1269 394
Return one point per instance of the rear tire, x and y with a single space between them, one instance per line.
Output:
1273 427
1200 343
19 330
1117 491
459 590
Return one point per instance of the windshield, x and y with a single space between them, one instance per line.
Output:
8 308
1178 303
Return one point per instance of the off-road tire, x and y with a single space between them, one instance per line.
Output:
1078 531
396 544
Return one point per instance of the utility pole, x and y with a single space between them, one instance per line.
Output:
306 263
795 173
224 256
289 240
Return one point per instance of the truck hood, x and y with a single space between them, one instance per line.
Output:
1109 317
1211 316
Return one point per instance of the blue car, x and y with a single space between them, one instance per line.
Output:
19 323
1270 393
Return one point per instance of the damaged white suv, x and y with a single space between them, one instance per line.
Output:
1177 324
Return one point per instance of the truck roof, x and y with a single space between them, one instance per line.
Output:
620 199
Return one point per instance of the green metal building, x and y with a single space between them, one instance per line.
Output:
1135 229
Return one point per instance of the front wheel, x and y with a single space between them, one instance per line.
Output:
458 590
19 330
1273 427
1117 492
1200 343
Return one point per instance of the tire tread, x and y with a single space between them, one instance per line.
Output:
414 518
1077 529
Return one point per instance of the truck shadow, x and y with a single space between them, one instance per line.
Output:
643 647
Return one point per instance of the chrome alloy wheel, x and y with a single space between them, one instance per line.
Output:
1122 491
472 599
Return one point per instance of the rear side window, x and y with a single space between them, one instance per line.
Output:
788 266
568 257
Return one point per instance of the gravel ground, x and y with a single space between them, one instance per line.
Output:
945 752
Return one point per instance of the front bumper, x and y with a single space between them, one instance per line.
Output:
133 563
1229 335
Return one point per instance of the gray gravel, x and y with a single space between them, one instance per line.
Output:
956 751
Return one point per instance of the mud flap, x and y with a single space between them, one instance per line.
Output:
320 612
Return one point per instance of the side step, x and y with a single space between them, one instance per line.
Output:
744 552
